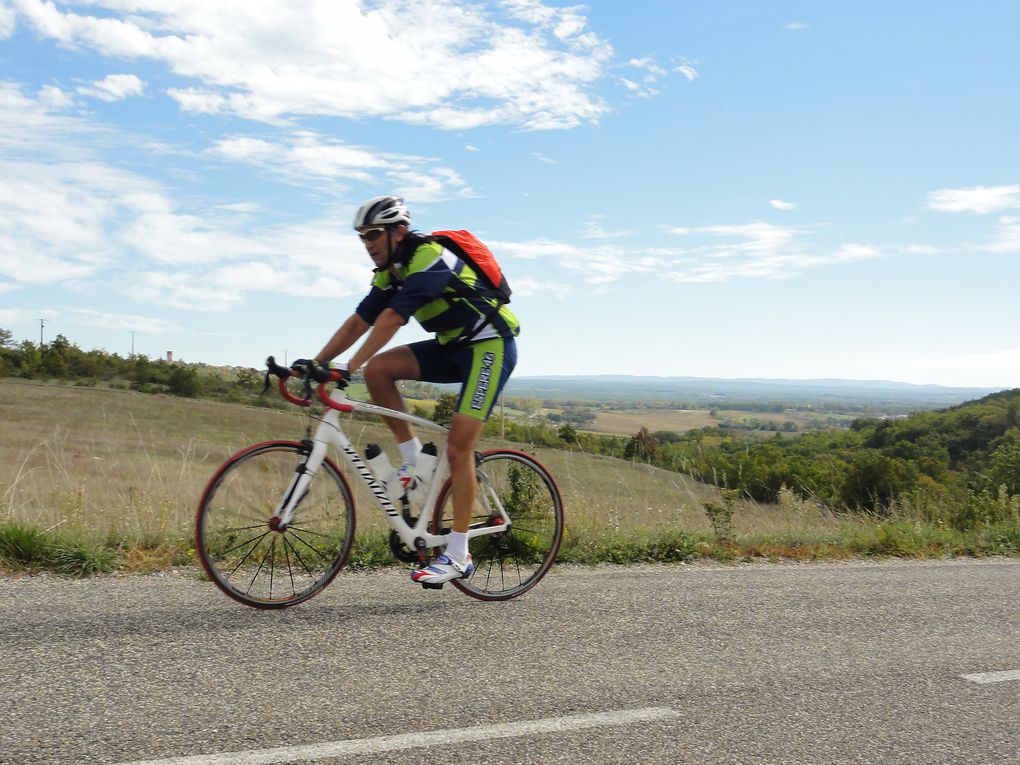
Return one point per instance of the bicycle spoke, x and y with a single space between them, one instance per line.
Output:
303 530
298 556
290 571
254 547
259 525
255 539
318 552
259 569
272 569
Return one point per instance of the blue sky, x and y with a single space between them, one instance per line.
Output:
732 189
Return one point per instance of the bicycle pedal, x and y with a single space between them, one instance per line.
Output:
431 586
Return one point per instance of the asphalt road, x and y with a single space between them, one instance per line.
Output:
833 663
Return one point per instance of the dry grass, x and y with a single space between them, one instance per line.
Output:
630 421
102 461
94 460
115 465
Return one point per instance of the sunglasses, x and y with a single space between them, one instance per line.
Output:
371 234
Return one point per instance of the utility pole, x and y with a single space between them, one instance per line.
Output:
132 343
42 323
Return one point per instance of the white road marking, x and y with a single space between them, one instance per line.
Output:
993 677
353 747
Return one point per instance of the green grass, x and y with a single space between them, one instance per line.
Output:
95 480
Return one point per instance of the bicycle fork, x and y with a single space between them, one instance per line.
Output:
299 486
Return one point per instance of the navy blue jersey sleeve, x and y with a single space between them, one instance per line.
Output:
373 304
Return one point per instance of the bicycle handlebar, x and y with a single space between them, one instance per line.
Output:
311 373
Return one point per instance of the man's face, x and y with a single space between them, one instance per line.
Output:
378 245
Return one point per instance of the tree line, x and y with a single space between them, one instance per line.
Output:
961 465
61 359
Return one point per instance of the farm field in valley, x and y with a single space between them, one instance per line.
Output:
630 421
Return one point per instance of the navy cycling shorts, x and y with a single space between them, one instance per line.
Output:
482 368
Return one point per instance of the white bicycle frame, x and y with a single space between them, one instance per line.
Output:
329 431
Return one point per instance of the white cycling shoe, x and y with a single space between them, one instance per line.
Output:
443 569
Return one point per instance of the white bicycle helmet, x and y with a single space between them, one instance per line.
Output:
382 211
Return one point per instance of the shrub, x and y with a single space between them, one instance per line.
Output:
23 545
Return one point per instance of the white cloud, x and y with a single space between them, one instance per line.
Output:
26 122
7 21
594 230
121 321
527 286
115 87
795 25
779 204
543 158
757 250
306 156
714 254
53 98
648 64
597 265
757 237
975 199
563 22
1007 236
649 75
69 219
10 316
447 63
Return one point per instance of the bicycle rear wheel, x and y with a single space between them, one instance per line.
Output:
509 563
247 554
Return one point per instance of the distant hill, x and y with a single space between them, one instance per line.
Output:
951 463
706 391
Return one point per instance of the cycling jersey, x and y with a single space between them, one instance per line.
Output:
430 287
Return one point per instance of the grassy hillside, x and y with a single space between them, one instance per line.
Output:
93 480
965 455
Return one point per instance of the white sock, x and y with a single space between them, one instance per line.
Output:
409 451
457 546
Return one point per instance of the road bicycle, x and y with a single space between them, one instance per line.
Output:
276 521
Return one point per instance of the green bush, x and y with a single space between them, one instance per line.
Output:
22 545
81 557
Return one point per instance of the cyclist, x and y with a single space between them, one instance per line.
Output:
473 345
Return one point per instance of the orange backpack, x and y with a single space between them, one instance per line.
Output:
468 248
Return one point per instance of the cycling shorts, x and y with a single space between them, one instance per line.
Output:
482 368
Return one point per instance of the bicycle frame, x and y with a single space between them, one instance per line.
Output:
330 432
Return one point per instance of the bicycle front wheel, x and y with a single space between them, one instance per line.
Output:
243 548
508 563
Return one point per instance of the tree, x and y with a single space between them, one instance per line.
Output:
1005 462
446 406
249 379
6 338
183 381
31 359
642 446
567 433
